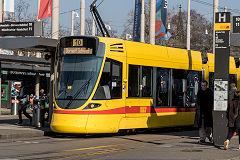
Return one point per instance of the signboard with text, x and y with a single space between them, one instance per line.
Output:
221 76
236 24
21 29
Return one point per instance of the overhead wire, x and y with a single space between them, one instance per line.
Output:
211 5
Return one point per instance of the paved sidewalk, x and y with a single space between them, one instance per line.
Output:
10 130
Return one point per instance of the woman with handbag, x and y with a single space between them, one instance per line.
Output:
233 114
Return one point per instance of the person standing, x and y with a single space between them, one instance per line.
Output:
232 114
23 105
204 108
42 98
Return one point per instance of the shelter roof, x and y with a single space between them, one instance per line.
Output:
29 44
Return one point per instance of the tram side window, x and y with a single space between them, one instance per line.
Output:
185 87
146 81
110 85
179 87
133 85
193 85
116 86
162 87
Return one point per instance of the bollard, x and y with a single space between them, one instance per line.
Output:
36 117
36 113
14 106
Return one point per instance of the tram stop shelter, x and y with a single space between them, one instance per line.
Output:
24 63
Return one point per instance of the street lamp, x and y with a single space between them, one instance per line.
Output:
206 31
108 27
77 15
128 37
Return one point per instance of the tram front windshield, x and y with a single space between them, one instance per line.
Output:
75 78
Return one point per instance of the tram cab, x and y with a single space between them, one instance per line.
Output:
86 78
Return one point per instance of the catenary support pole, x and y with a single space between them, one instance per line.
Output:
1 16
82 32
1 11
188 28
55 35
93 27
55 19
215 9
0 88
142 23
72 32
152 21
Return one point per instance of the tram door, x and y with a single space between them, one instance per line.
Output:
113 83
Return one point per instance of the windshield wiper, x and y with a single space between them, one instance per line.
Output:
86 84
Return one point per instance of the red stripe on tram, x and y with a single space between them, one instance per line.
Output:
127 109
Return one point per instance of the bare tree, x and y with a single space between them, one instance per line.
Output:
178 20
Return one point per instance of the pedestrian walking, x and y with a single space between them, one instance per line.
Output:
203 116
24 100
233 114
42 98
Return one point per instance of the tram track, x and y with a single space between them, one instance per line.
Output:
84 152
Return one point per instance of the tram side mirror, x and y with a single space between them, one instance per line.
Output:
47 57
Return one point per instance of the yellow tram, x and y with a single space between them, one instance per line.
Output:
103 85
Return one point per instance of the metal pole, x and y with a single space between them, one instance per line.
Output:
0 88
37 85
142 23
82 17
55 19
188 28
51 87
215 9
38 8
72 32
152 21
1 11
93 27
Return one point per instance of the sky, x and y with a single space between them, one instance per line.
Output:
115 12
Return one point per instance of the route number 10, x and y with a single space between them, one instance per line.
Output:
78 42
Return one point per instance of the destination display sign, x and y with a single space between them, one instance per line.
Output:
77 50
20 29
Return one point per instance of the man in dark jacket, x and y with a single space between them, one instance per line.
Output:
203 117
23 105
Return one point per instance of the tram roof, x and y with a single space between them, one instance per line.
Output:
211 61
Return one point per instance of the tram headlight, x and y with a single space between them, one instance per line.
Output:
92 105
